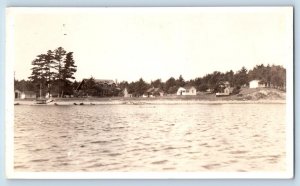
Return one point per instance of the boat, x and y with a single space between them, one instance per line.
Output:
219 94
41 100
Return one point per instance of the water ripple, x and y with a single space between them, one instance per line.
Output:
150 138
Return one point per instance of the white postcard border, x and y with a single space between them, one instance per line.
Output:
9 117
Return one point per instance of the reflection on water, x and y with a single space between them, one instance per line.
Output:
224 137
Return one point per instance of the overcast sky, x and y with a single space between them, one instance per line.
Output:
129 43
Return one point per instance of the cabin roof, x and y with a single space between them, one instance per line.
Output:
98 81
29 92
224 83
102 81
152 89
259 81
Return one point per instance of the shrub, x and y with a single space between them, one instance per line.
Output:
236 90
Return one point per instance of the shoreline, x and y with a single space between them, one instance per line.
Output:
246 96
81 102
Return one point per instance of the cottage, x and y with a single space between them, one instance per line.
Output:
186 91
126 94
224 89
102 87
28 95
180 91
256 84
107 82
190 90
99 82
24 94
153 92
209 90
17 94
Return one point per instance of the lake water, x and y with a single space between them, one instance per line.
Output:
183 137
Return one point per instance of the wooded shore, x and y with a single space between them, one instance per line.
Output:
263 95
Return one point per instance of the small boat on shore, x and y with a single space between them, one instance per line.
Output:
41 100
219 94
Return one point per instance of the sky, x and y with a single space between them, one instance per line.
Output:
152 43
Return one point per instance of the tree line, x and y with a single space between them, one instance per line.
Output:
53 72
272 76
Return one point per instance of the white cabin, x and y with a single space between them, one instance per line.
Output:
187 91
256 84
126 94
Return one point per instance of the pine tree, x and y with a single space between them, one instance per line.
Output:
67 72
49 69
39 72
59 56
241 77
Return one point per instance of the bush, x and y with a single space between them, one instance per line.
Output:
203 87
236 90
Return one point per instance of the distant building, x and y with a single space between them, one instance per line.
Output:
209 90
153 92
190 90
180 91
55 94
28 95
126 95
99 82
187 91
25 94
17 94
226 84
224 89
102 87
105 82
256 84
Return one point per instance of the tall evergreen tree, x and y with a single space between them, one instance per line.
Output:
67 73
39 73
157 83
170 86
180 81
141 87
241 77
59 56
49 70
